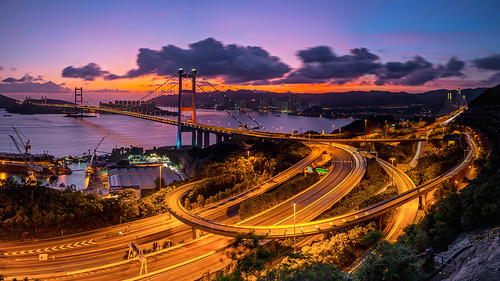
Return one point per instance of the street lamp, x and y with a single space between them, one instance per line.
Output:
333 128
294 240
366 131
392 169
248 154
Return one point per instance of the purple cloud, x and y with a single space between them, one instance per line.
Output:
30 87
489 63
88 72
417 71
321 65
25 78
237 64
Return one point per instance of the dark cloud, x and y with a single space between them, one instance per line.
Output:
1 68
106 90
237 64
25 78
493 80
88 72
321 65
31 87
417 71
211 58
490 63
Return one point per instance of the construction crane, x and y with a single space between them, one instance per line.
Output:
93 159
26 145
28 158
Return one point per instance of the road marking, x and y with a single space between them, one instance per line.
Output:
54 248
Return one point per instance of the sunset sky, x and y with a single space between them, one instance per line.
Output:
299 46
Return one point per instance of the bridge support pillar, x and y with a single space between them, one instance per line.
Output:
422 201
218 138
195 232
193 138
206 141
199 138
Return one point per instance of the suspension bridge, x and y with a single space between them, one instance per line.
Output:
179 94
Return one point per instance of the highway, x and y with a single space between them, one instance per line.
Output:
310 228
108 246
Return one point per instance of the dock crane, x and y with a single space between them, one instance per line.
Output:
93 159
28 158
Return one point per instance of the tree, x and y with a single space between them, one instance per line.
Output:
391 262
249 256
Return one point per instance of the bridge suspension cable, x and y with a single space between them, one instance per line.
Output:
234 104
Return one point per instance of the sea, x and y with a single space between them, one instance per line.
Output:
65 136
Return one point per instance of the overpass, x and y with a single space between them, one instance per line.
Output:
176 208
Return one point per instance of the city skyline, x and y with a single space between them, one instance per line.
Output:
319 46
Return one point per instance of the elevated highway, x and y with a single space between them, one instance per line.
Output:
313 227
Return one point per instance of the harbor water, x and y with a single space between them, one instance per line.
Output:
63 136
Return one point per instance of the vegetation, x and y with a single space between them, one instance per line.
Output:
435 162
373 180
392 262
279 194
241 171
478 204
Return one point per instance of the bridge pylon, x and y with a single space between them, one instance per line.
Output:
78 101
191 91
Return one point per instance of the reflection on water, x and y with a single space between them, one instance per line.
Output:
62 136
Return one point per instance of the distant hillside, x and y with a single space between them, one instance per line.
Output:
6 101
12 107
490 97
433 100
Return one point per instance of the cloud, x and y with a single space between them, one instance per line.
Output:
321 65
417 71
31 87
493 80
88 72
490 63
211 58
1 68
25 78
106 90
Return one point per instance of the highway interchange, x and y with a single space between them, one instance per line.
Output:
99 254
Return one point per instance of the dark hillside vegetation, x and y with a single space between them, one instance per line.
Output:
478 204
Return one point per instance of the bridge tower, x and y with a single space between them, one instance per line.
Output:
78 101
191 91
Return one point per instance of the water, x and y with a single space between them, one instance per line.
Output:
63 136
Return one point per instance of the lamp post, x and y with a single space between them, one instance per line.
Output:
333 128
159 182
392 169
366 131
294 245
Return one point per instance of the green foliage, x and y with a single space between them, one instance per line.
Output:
390 262
248 256
374 178
237 173
306 271
279 194
435 163
38 211
372 237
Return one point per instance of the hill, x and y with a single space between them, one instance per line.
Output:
6 101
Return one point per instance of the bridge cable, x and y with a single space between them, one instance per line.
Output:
217 102
235 105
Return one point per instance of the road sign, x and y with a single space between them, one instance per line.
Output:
320 170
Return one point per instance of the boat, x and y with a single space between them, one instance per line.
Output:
7 115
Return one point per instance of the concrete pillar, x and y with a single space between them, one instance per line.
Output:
199 138
218 138
422 201
206 141
193 138
195 233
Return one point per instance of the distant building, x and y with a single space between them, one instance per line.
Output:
313 103
282 106
294 103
